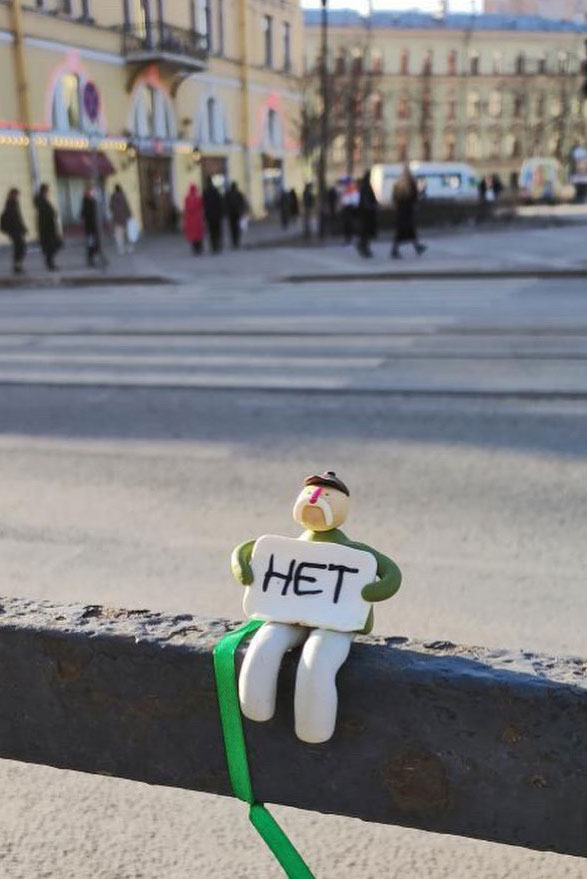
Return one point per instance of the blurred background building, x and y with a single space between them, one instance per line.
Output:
571 10
153 94
488 89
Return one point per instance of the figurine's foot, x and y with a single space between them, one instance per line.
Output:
316 697
395 254
257 685
420 248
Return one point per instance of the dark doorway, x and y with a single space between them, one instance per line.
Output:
156 193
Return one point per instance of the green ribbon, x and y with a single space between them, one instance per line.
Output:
236 754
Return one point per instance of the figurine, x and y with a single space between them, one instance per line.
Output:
317 588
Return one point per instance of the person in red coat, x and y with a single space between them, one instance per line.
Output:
193 218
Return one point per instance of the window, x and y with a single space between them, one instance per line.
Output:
474 63
555 105
404 62
403 107
357 62
153 114
377 61
402 149
542 64
427 63
340 63
473 105
268 39
511 146
66 7
377 102
450 147
452 63
66 104
220 20
473 145
495 145
378 147
274 138
211 119
497 62
495 103
200 18
208 20
426 150
520 64
519 104
563 62
286 45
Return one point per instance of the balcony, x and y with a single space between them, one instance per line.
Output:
175 47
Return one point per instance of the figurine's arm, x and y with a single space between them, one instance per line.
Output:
390 577
240 562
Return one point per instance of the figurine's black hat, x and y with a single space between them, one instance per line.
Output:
330 479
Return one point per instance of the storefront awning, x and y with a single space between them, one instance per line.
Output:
78 163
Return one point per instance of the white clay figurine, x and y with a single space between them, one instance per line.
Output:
316 590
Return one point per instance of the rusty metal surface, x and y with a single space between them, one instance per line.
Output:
468 741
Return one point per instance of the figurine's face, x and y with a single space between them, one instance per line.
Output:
321 508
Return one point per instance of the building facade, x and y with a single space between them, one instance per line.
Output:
571 10
484 89
151 94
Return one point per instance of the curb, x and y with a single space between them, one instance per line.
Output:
435 275
53 282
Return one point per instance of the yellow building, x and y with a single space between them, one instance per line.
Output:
491 90
167 92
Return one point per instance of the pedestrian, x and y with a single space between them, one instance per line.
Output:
496 186
121 214
284 209
193 219
236 208
12 224
89 215
332 202
213 212
294 205
309 203
367 216
349 203
49 237
405 196
482 190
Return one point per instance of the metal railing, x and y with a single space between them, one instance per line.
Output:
467 741
165 38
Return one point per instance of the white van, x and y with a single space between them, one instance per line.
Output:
447 180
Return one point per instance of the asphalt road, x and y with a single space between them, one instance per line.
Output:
144 433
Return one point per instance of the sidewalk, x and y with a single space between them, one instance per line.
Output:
157 259
271 255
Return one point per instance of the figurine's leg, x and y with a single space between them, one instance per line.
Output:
316 697
257 684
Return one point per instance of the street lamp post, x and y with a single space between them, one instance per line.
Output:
324 121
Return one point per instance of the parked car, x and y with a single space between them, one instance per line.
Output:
456 181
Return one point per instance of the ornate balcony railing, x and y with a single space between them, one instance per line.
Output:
161 39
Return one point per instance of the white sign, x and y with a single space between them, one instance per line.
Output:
312 584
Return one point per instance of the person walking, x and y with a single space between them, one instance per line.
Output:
367 216
236 208
405 196
349 203
12 224
284 208
294 205
309 203
121 214
213 213
89 215
193 219
49 237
